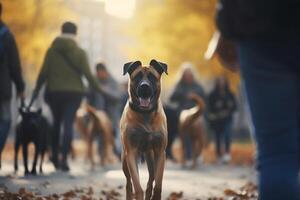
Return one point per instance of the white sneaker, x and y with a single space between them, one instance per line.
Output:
226 158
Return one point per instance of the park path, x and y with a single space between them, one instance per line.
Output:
202 183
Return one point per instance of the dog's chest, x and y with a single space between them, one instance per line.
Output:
145 140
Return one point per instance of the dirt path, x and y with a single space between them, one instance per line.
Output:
202 183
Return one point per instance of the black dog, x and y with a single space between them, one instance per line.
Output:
32 128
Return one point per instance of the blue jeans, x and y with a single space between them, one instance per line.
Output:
5 121
272 82
63 106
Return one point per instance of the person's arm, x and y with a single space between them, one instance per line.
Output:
234 103
15 66
42 77
115 90
85 69
177 96
212 114
200 92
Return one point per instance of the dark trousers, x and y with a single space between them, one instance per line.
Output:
272 82
5 121
223 137
63 106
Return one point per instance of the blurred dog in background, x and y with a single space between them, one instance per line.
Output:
92 123
190 124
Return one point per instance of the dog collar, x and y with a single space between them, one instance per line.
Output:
139 110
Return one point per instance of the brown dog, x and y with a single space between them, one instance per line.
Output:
190 123
144 129
98 124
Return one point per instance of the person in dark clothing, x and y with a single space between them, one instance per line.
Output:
266 35
64 65
186 86
172 121
110 104
221 106
10 72
124 95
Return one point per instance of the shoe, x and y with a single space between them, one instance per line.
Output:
55 163
65 167
226 158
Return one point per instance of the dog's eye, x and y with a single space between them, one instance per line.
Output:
138 77
152 78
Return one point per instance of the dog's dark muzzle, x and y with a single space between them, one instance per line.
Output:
144 90
144 93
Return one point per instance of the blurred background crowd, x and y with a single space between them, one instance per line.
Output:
112 32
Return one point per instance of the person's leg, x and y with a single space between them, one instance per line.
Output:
218 144
115 118
56 111
188 146
101 147
227 135
5 121
71 106
272 87
227 141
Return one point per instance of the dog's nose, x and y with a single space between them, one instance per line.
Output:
144 90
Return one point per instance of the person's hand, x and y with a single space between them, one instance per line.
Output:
227 54
225 50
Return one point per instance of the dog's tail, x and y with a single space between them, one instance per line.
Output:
190 115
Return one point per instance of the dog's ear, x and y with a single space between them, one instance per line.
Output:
131 66
159 66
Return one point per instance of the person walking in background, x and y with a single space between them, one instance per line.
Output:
262 38
124 95
64 65
221 106
10 72
109 103
186 86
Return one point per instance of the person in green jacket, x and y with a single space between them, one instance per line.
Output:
64 66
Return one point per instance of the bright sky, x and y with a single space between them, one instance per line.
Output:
120 8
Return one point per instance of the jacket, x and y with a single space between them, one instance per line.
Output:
220 109
181 92
259 19
64 65
10 67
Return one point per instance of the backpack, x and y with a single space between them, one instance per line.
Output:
3 31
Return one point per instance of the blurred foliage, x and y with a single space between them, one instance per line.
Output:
175 31
34 24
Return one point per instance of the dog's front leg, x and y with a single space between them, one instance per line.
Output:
129 192
36 153
151 170
133 170
161 157
25 154
17 147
